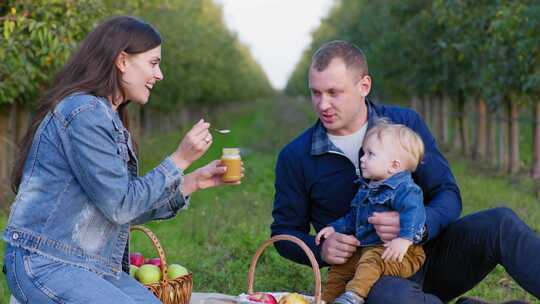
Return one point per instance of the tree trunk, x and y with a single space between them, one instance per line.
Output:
437 128
456 135
23 122
11 139
4 126
536 141
444 118
462 125
471 120
415 104
514 137
432 103
144 120
170 121
491 144
481 140
154 121
502 132
162 122
427 112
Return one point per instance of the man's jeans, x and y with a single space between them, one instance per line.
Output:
35 279
463 255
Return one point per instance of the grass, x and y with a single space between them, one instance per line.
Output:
217 236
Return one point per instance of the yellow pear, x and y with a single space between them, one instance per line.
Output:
293 298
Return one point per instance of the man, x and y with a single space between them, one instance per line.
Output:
315 183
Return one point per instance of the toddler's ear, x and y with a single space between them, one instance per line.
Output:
395 166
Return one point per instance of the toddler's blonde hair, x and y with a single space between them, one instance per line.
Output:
411 144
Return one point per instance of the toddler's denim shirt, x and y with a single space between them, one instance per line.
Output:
397 193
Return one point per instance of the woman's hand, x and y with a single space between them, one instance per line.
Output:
206 177
193 145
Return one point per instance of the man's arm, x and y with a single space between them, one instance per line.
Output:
291 209
437 182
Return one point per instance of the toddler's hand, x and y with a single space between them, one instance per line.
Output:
325 232
396 250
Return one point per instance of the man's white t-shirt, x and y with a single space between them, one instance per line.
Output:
350 144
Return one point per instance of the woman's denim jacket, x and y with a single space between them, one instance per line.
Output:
397 193
80 188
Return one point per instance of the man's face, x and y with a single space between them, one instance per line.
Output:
338 96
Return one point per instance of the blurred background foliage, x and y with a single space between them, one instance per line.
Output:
203 61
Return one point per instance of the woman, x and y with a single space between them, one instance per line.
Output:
76 179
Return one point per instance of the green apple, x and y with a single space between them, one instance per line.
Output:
133 270
148 274
174 271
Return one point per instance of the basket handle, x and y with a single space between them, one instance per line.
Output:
299 242
157 245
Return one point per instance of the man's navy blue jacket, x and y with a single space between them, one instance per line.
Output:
315 183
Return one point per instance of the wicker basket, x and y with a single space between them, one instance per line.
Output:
307 250
177 291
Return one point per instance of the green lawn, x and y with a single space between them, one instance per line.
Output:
217 236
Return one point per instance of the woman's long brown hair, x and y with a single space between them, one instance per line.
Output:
91 69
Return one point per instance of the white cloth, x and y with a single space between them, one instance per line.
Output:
12 300
350 144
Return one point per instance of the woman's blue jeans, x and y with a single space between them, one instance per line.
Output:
35 279
465 253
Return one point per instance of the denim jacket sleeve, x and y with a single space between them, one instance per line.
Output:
412 215
345 224
178 202
93 154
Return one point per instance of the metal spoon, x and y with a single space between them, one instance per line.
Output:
221 131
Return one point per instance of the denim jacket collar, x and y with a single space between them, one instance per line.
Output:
321 144
393 181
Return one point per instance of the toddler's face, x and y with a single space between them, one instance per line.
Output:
377 160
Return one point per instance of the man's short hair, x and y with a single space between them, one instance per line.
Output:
352 55
401 136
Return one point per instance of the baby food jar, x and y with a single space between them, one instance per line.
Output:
231 159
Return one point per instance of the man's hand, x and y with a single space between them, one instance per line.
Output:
338 248
386 224
396 250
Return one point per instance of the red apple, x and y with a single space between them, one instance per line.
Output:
262 297
153 261
136 258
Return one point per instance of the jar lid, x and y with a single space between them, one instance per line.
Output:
231 151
